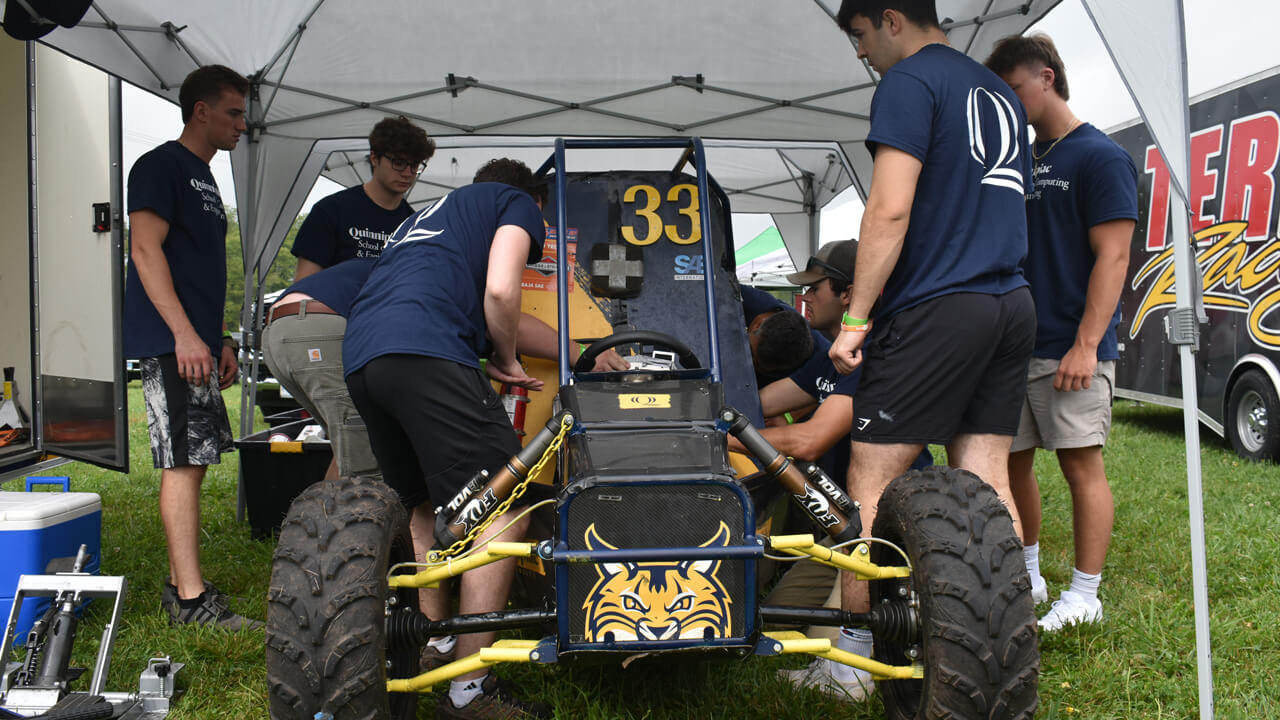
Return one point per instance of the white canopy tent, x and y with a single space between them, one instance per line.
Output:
489 74
328 69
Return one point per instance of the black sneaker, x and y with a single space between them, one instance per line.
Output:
496 701
213 610
169 598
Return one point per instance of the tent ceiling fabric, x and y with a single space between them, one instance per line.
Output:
732 69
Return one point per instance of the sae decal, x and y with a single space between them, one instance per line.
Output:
689 267
650 601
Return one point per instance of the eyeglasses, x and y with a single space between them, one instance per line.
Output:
835 271
401 165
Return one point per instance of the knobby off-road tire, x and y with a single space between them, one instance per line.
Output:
977 623
326 644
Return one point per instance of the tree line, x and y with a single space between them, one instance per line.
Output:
278 278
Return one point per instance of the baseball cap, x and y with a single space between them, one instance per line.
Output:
834 260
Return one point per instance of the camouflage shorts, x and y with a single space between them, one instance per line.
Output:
188 423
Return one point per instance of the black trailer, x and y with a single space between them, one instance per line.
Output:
1235 145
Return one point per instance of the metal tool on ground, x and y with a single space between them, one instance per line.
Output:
40 686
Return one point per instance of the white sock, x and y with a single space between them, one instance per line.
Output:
1031 556
462 692
857 641
443 644
1085 584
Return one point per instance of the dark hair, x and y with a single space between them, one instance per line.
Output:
837 285
513 173
785 342
1032 51
396 136
921 12
205 84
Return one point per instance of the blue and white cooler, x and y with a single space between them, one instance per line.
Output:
36 527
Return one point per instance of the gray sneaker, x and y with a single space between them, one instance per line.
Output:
214 610
432 658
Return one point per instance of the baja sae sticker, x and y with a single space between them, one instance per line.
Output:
647 601
637 401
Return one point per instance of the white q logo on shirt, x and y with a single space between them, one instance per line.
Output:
986 107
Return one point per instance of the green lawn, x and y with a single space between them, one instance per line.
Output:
1140 663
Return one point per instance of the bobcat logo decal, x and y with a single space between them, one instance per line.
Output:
648 601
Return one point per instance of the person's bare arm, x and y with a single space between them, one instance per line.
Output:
884 229
1110 242
538 339
305 267
808 440
783 396
507 258
147 232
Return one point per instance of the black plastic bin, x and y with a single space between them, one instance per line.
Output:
274 473
288 416
272 402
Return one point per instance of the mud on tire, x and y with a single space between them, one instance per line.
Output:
977 624
326 604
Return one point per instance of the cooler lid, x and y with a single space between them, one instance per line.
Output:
37 510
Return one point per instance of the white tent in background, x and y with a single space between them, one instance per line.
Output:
480 73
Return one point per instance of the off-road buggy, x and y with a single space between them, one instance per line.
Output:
652 542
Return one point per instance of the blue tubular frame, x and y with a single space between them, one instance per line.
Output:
557 161
752 547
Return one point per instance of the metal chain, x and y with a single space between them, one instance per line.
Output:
565 424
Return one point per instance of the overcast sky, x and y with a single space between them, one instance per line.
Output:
1227 40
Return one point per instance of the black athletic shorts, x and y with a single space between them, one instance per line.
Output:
432 423
955 364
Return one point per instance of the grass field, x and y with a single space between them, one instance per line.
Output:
1139 663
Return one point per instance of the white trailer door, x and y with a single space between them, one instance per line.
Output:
77 259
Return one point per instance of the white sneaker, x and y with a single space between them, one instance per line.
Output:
818 676
1039 589
1071 608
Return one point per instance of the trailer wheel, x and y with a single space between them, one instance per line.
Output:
1253 417
326 614
976 624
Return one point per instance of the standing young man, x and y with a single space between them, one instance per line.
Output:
1080 218
939 307
445 293
174 297
356 222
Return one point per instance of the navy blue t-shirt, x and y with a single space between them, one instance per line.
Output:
755 302
1085 180
347 224
425 295
178 186
336 286
968 230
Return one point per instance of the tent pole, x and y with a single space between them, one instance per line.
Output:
811 210
248 310
1183 330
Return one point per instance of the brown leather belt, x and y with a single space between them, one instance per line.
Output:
314 307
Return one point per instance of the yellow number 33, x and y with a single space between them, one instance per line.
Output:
649 211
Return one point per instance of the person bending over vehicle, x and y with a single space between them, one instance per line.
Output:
445 293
